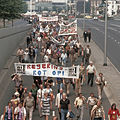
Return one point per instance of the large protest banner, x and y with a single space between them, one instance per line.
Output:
48 19
46 69
69 29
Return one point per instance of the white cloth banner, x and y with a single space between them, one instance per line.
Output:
69 29
48 19
46 69
56 41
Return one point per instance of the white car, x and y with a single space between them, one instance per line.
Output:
95 18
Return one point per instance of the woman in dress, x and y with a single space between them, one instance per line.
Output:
46 105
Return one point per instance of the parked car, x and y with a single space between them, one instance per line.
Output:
95 18
88 17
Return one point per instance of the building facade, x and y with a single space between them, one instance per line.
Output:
112 8
94 6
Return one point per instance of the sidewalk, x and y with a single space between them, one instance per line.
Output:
112 75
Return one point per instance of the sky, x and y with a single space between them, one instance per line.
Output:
59 0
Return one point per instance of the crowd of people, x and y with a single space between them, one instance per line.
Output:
42 96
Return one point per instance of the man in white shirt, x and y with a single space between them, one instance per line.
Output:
39 41
91 71
79 104
20 112
64 58
40 95
57 101
101 83
46 57
91 102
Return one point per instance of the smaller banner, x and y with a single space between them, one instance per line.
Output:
69 29
48 19
56 41
46 69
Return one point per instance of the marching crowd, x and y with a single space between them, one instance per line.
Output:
67 50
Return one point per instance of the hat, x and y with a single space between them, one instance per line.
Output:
91 62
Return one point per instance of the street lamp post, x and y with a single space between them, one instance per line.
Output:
84 14
106 32
67 6
30 5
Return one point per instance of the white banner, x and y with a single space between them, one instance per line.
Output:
69 29
46 69
48 19
56 41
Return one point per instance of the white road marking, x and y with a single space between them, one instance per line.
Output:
115 25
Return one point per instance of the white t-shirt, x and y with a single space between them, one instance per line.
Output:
91 69
79 101
40 93
21 111
39 39
63 56
46 58
49 51
91 101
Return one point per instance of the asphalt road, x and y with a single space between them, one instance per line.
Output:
9 44
113 41
18 22
86 90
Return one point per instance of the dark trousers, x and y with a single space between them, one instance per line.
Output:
59 114
90 78
98 118
89 38
85 39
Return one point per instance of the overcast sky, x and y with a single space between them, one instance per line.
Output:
59 0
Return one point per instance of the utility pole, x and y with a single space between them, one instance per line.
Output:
84 16
67 6
30 5
106 33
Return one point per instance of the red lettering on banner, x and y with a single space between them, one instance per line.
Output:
48 65
51 66
61 68
28 66
55 67
33 66
38 66
43 66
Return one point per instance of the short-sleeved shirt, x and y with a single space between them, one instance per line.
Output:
80 101
113 114
92 101
91 69
64 104
29 101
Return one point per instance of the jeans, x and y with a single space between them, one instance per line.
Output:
98 118
64 114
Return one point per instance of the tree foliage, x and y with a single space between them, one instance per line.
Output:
11 9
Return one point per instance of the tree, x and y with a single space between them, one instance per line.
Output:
4 11
11 9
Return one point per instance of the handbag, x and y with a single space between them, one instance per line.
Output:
70 115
